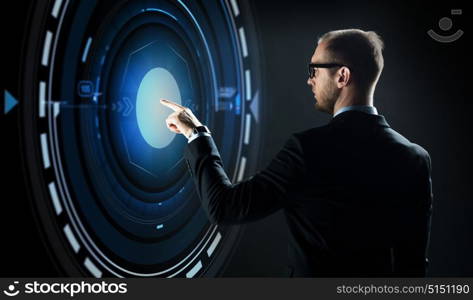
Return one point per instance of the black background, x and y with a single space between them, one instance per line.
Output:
422 93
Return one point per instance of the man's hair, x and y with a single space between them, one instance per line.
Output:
360 50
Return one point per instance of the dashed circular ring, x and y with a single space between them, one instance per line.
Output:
112 193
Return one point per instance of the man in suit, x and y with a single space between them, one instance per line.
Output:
357 195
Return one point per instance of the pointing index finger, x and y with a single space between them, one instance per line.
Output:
172 105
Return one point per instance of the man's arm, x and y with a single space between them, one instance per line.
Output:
249 200
412 257
224 202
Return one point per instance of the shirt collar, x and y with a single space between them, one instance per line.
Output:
369 109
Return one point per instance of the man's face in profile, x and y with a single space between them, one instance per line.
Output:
323 83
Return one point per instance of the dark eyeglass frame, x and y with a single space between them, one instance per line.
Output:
312 67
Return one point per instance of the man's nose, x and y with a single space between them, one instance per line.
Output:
309 82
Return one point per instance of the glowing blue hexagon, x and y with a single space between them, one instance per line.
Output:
148 144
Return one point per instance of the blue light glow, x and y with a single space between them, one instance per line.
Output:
150 114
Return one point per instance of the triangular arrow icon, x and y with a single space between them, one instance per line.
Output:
10 102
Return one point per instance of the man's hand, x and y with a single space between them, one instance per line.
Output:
182 120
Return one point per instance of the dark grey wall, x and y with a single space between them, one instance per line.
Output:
422 93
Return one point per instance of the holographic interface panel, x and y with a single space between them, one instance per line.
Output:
111 190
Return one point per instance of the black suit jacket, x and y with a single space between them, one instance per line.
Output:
357 196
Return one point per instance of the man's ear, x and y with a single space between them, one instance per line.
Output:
344 77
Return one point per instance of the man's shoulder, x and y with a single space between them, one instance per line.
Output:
406 143
327 133
421 152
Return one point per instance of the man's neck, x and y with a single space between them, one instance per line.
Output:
352 100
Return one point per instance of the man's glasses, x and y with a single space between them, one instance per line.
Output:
313 68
